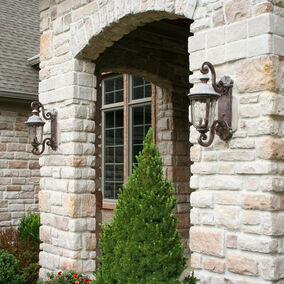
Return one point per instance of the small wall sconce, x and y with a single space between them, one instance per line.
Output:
203 98
35 125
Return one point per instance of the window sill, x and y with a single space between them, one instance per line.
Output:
109 205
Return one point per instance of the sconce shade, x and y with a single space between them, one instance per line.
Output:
35 125
203 100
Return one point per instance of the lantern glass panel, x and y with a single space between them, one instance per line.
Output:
199 113
35 134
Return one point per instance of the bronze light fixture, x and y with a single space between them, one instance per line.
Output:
35 125
203 99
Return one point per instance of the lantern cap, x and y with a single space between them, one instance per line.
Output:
35 120
203 90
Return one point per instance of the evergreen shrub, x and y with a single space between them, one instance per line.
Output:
9 268
142 244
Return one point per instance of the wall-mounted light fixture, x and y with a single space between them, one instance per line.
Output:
35 125
203 98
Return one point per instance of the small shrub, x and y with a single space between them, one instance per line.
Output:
142 245
9 268
29 227
70 277
25 250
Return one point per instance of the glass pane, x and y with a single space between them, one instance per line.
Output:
109 173
109 98
138 93
109 190
109 85
119 155
119 136
148 91
137 81
138 116
109 119
109 155
109 137
119 96
147 115
138 135
119 83
117 187
119 118
119 173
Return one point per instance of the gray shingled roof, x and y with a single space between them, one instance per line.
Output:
19 41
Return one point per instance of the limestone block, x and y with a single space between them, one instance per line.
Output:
273 224
255 243
261 24
44 232
69 240
272 268
214 265
44 202
49 261
71 205
228 217
256 167
216 55
90 241
272 184
202 199
227 198
262 8
195 261
46 45
260 201
250 218
231 241
236 10
220 182
236 155
260 45
278 42
88 205
216 37
262 70
242 264
207 241
196 42
67 264
237 31
270 149
236 50
218 18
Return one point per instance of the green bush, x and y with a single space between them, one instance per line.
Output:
69 277
142 244
25 249
191 279
9 268
29 227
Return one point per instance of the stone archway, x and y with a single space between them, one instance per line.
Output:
70 176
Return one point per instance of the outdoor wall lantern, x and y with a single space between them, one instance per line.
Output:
35 125
203 98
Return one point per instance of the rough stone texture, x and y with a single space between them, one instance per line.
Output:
19 169
238 183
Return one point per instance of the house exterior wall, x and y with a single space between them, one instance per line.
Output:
237 215
19 169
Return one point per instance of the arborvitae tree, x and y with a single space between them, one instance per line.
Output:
142 244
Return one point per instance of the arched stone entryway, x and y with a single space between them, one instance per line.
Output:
237 210
71 176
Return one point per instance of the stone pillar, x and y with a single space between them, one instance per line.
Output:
66 199
237 215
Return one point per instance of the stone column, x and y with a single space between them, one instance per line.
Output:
238 218
66 199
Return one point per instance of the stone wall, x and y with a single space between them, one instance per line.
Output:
237 212
237 233
19 169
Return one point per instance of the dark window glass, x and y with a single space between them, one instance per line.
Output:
113 153
141 125
141 88
113 90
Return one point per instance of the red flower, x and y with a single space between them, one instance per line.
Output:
87 280
59 273
75 275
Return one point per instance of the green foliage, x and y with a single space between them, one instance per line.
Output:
142 244
9 268
69 277
191 279
29 227
27 252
